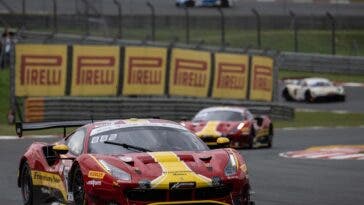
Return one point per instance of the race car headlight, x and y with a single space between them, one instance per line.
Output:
340 90
241 125
231 168
116 172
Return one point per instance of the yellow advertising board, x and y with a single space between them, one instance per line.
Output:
231 76
261 78
95 70
144 70
40 70
190 72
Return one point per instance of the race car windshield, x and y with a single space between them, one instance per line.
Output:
149 138
224 115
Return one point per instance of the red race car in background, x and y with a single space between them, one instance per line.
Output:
235 123
135 161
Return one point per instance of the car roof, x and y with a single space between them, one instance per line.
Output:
227 108
105 125
314 80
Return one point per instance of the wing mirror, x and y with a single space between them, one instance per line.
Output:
60 149
223 142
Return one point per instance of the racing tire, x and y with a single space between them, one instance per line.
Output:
224 3
270 136
78 187
26 185
190 4
286 95
308 96
251 138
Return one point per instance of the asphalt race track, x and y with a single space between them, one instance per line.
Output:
275 180
354 101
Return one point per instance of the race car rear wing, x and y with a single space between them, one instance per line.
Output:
24 126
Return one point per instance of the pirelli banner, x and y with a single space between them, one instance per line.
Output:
104 70
144 71
190 73
40 70
261 79
231 76
95 71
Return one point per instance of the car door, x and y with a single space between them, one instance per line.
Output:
75 143
53 180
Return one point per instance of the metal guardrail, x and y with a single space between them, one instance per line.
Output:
322 63
176 108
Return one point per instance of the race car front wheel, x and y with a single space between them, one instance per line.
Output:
225 3
270 136
308 96
78 188
26 185
286 95
251 138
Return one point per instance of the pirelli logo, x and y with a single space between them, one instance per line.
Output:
190 73
262 78
231 75
41 70
145 70
96 174
95 70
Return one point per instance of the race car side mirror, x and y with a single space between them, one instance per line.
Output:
223 141
60 149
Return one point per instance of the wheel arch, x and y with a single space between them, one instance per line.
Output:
71 173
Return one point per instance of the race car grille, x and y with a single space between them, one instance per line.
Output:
178 194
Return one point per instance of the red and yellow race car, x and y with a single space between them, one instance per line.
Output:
235 123
134 161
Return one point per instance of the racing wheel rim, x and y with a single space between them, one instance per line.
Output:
78 187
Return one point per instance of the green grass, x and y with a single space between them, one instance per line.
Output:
332 76
348 42
4 96
325 119
309 41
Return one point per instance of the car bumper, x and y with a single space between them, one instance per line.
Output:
208 196
330 97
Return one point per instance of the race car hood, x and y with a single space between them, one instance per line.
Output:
212 128
164 169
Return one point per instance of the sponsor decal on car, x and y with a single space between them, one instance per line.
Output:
93 182
96 174
50 180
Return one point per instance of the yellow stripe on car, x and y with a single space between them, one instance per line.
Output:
210 129
174 170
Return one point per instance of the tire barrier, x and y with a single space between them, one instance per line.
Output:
37 109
